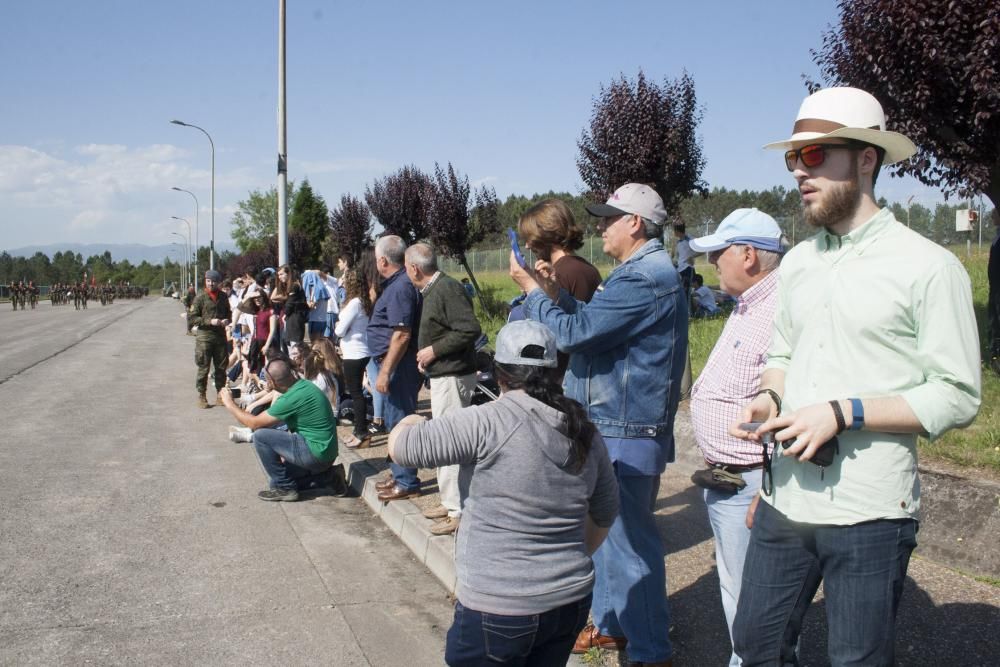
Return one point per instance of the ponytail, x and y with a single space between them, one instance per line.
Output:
541 384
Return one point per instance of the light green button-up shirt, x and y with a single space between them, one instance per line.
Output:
878 312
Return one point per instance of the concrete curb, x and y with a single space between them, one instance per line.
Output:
402 517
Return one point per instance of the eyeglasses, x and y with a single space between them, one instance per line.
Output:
812 155
604 223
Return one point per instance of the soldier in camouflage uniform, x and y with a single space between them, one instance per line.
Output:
210 313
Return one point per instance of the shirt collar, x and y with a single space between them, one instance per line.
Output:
862 236
430 282
762 289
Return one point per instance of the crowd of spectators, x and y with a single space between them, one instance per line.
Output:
842 349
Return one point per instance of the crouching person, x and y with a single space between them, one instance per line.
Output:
540 496
303 455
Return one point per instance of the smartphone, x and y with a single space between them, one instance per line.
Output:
753 426
516 248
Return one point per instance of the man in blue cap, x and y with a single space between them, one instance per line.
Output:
746 251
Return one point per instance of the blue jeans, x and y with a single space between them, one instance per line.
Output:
404 385
331 322
273 445
378 398
630 588
477 638
862 568
727 512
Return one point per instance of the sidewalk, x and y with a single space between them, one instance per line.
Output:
945 617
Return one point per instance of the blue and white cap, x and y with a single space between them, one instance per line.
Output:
744 226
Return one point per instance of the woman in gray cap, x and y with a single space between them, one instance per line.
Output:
539 495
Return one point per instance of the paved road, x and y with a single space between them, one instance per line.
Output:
130 531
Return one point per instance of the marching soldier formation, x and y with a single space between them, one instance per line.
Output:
26 294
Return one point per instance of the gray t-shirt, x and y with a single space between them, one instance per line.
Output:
520 547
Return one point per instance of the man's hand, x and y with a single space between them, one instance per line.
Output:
525 278
751 510
811 427
425 357
382 381
227 398
545 276
760 409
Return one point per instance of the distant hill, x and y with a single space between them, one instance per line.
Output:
134 252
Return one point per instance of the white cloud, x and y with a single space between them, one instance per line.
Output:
479 182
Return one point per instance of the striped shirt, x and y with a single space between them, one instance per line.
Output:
732 376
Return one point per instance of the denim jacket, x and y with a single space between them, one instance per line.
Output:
627 346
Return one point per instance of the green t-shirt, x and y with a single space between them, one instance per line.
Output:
307 412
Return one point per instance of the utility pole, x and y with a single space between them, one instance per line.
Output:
282 143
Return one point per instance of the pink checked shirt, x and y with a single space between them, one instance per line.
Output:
732 376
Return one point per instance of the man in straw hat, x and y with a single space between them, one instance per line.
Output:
874 343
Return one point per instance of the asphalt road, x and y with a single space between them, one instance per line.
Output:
130 531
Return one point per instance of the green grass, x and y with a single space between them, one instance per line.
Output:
977 446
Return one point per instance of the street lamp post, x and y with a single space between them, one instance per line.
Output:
187 256
211 248
180 267
910 199
196 237
186 222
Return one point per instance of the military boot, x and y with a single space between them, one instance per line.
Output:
202 401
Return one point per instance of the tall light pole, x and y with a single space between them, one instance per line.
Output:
187 256
180 266
211 247
196 238
186 222
282 143
908 209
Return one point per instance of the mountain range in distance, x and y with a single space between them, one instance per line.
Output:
136 253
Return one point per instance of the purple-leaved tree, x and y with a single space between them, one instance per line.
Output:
350 228
641 132
397 202
459 217
935 67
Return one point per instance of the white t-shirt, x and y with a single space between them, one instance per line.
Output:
351 327
332 286
332 392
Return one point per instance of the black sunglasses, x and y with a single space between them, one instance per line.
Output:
812 155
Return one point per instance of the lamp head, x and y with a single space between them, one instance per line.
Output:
178 122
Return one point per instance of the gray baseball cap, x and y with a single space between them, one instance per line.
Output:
515 337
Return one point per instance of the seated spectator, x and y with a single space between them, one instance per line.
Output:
543 500
703 302
322 366
296 458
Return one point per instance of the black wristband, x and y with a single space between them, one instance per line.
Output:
774 397
839 416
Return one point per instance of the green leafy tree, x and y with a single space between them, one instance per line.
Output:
257 218
642 132
310 217
459 217
935 67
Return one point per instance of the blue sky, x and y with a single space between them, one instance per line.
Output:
501 90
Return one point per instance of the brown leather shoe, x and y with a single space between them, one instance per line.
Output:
590 637
397 493
385 484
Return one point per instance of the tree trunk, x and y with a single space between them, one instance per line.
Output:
479 293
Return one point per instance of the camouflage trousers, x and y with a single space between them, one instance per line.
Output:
210 351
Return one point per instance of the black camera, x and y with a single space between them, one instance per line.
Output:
235 391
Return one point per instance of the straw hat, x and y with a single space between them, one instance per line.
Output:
845 113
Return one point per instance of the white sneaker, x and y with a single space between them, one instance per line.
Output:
240 434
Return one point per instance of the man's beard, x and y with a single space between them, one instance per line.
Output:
842 200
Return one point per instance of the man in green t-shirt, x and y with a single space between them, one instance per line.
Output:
309 446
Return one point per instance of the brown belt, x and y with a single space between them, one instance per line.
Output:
737 469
